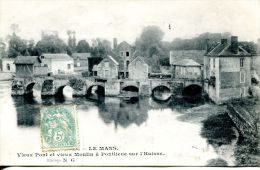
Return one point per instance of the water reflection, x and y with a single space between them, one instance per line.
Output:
220 133
124 113
184 131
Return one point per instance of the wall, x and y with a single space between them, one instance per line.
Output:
138 69
83 64
112 88
9 61
187 72
110 71
24 70
62 65
38 70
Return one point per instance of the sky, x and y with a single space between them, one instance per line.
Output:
126 19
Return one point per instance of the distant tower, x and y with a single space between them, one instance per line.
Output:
74 39
114 43
258 46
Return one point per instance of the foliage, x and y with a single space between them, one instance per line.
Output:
82 47
17 46
150 41
198 43
100 48
76 84
51 44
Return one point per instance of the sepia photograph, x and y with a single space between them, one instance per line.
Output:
149 83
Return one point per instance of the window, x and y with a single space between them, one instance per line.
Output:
127 54
8 67
127 75
214 62
106 64
78 64
122 53
127 63
242 77
68 66
242 62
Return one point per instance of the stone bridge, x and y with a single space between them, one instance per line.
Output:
53 85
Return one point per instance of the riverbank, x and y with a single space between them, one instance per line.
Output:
222 134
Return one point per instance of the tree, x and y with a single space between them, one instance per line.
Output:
100 48
150 41
17 46
50 44
83 47
2 48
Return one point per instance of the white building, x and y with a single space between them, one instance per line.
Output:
8 65
58 63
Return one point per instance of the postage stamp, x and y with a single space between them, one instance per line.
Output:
59 128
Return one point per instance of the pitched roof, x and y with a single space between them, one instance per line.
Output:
225 50
112 56
27 60
124 45
81 55
196 55
59 56
186 62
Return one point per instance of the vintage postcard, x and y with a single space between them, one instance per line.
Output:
130 83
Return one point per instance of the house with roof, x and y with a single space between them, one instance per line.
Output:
126 54
227 71
108 67
195 55
58 63
140 68
187 63
29 66
8 65
81 61
186 69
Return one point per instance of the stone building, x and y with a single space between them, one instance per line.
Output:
227 71
139 68
81 62
108 68
8 65
126 53
29 66
186 69
58 63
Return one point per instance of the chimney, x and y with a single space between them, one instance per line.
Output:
207 45
258 46
234 44
224 41
114 43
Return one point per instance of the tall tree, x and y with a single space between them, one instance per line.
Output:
17 46
2 48
150 41
83 47
51 44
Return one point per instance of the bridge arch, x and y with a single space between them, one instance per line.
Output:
60 91
96 90
29 89
132 88
192 91
161 92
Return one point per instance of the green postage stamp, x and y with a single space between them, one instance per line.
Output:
59 128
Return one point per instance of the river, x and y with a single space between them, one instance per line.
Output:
187 134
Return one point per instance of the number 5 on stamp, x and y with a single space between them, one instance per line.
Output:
59 129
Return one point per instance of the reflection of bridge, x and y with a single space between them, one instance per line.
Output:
53 85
